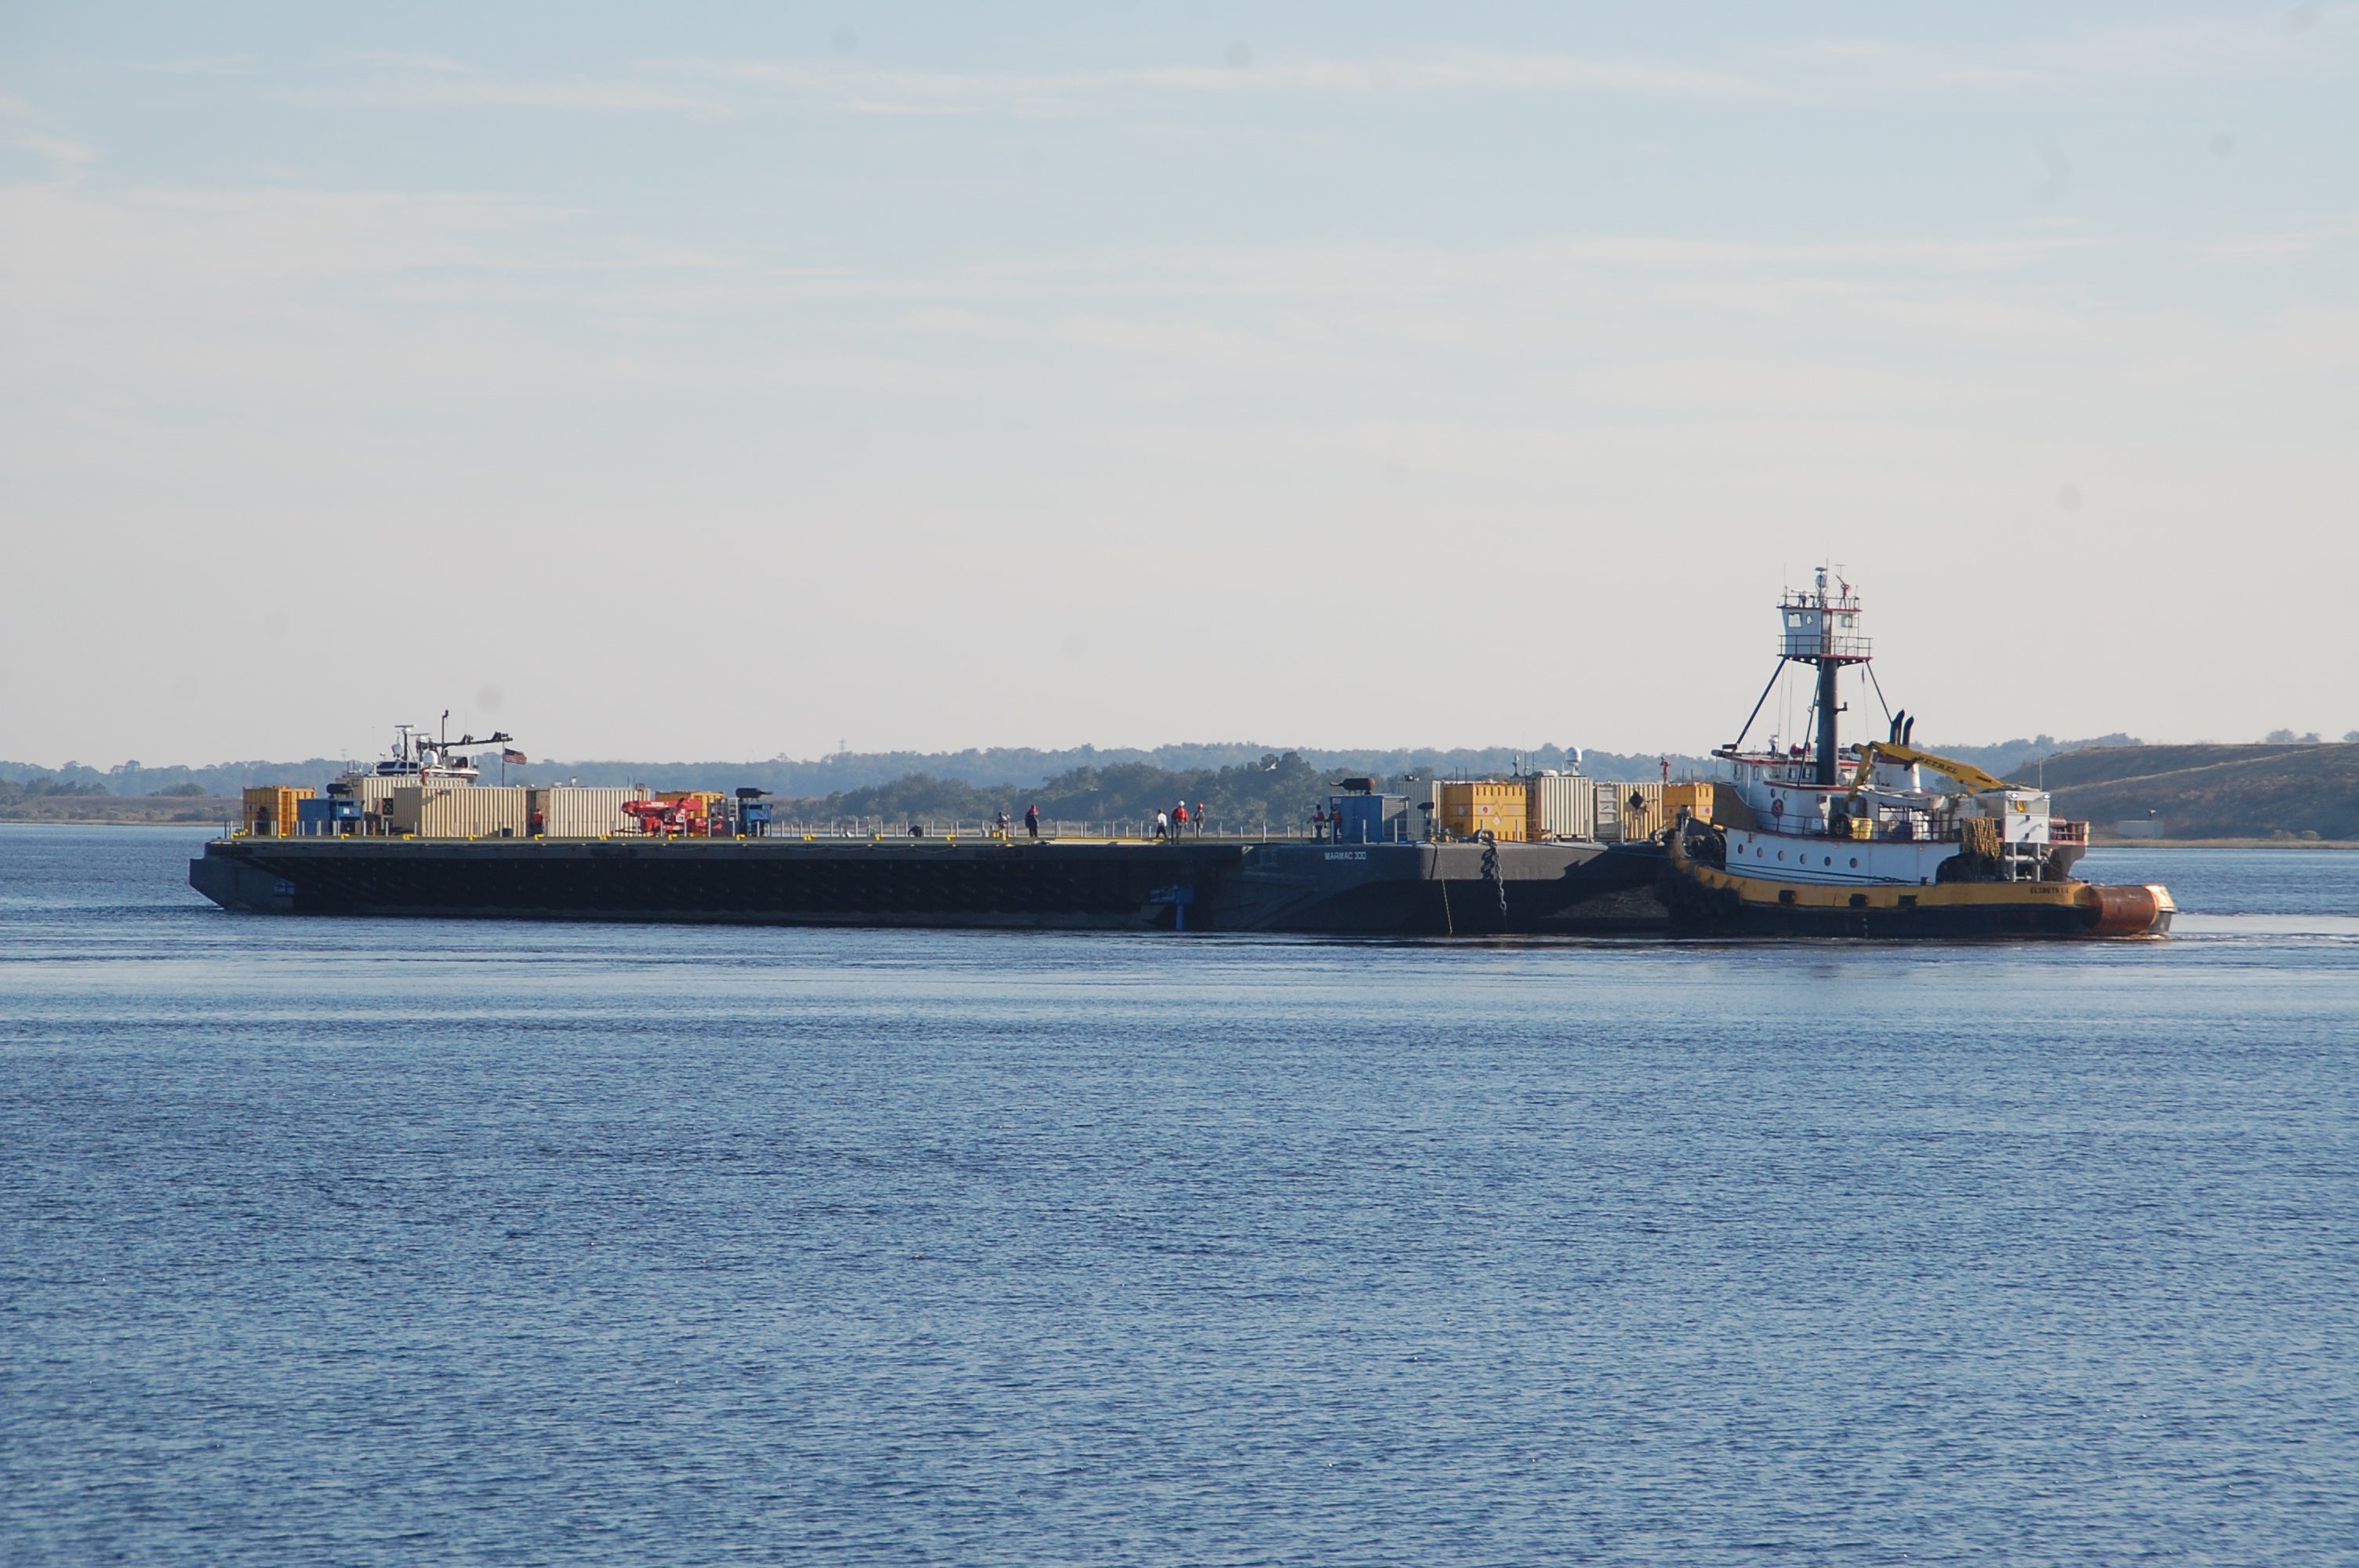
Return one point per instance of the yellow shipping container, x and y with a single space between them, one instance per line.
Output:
1486 805
269 810
1695 799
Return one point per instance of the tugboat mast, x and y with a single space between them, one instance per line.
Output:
1822 630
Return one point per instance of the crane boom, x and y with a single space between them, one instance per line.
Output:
1966 774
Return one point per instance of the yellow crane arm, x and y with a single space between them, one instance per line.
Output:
1966 774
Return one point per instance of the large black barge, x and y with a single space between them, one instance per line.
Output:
1191 884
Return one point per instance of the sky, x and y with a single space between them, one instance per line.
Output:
713 381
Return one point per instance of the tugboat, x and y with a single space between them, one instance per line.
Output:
1811 841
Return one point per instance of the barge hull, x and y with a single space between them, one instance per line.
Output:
1192 885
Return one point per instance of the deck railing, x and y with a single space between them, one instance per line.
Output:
1812 644
897 828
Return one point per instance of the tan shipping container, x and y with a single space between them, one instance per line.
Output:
460 811
269 810
1485 805
374 794
1639 807
1560 806
581 811
374 791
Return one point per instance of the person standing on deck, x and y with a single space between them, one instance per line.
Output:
1163 824
1032 820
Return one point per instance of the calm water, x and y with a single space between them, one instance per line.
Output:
361 1242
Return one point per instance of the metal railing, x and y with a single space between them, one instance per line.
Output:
1103 830
1824 645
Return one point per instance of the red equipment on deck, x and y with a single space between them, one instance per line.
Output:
682 818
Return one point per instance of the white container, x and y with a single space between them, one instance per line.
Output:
1563 806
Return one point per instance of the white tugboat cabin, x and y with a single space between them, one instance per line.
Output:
1883 812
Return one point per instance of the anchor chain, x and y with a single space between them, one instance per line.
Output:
1491 871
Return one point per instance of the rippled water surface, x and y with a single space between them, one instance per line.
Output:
372 1242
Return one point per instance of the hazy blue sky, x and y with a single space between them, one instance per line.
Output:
737 380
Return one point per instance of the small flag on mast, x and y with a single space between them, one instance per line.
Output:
518 758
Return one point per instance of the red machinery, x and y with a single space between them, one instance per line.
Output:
684 816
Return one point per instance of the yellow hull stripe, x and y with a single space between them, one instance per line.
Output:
1937 895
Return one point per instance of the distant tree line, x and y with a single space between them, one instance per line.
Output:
13 791
1070 774
1278 788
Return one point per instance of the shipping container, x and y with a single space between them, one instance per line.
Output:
1606 811
1486 805
373 793
1639 807
1560 806
1424 797
575 811
461 811
270 811
1695 799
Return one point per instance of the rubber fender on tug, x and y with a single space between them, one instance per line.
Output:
2132 911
